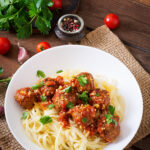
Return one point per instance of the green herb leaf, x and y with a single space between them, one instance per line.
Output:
45 119
1 70
25 31
59 71
82 80
24 115
114 121
70 105
35 87
97 94
38 3
67 89
7 80
43 98
84 97
32 9
41 25
51 106
111 109
84 120
40 74
50 4
108 118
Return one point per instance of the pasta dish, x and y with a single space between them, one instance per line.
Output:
71 111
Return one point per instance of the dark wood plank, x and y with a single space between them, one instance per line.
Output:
145 2
134 21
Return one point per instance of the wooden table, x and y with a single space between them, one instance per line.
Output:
134 29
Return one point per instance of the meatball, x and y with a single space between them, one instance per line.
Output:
62 98
84 82
25 97
110 131
100 99
64 119
50 87
83 115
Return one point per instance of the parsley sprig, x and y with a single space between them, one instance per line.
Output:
82 80
22 15
45 119
84 97
67 89
40 73
110 115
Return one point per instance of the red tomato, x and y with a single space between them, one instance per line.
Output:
42 46
112 21
4 45
57 4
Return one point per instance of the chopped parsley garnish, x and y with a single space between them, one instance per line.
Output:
84 97
35 87
97 94
45 119
114 121
108 118
1 70
24 115
111 109
110 115
40 74
43 98
67 89
51 106
59 71
70 105
84 120
82 80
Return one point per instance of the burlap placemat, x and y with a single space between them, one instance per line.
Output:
104 39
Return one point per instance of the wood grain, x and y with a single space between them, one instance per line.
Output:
134 21
145 2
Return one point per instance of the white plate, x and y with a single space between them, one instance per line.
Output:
76 57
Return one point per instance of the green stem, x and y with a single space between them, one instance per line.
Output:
32 19
6 80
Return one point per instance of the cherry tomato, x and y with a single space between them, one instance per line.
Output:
57 4
42 46
112 21
4 45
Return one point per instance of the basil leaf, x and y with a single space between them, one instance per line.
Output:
24 115
51 106
111 109
59 71
43 98
67 89
84 97
97 94
1 70
70 105
45 119
40 74
84 120
82 80
35 87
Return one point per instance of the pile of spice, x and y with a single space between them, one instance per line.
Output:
70 24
